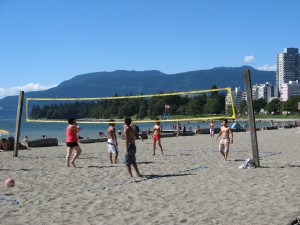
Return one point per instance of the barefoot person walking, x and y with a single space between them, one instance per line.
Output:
72 141
112 143
225 141
211 129
130 148
157 129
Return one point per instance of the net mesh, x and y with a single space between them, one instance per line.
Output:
166 107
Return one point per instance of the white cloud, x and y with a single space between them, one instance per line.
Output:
267 67
249 58
28 87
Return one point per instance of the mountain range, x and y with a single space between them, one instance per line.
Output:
122 82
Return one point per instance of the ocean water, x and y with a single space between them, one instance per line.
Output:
35 130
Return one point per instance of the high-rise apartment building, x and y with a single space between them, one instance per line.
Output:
290 89
237 97
287 67
266 91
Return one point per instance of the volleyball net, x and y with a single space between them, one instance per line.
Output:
199 105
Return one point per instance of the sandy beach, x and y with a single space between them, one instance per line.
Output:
190 184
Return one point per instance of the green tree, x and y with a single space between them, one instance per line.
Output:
213 106
291 105
243 107
143 107
258 105
214 93
274 106
193 107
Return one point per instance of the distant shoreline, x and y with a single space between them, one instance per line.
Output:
269 119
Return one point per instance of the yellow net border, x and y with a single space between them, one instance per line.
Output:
106 121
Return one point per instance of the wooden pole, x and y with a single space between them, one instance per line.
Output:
251 117
18 123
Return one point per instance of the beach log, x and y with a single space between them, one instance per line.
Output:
207 131
44 142
92 140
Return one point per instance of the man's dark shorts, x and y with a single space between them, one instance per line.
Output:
72 144
130 158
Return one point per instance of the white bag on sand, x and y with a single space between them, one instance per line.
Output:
249 164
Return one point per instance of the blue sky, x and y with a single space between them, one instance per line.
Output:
43 43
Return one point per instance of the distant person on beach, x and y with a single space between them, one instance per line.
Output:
24 142
136 130
225 141
112 143
183 129
130 148
197 130
72 141
101 134
120 132
157 129
211 129
178 129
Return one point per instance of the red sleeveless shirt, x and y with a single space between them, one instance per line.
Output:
71 135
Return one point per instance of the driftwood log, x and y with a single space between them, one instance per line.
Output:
44 142
206 130
92 140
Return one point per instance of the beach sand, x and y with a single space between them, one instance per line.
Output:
190 184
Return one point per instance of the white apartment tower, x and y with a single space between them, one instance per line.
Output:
287 67
266 91
237 97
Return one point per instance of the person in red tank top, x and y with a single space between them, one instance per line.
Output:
72 141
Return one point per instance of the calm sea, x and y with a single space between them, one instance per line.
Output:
35 130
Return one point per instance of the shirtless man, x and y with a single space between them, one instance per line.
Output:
112 143
226 140
157 129
130 148
211 129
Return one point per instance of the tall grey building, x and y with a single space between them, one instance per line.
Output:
287 67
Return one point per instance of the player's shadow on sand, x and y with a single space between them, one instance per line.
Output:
101 167
280 167
288 166
33 157
145 162
16 170
237 160
156 176
180 154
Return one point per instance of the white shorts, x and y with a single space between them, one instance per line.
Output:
224 145
111 146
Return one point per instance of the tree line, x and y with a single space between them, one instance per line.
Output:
275 106
140 108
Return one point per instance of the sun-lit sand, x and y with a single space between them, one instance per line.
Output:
190 184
